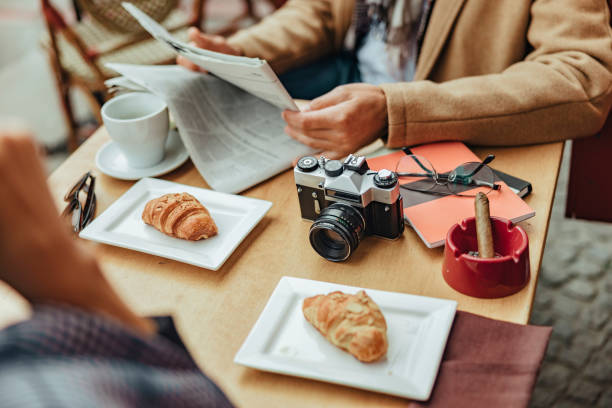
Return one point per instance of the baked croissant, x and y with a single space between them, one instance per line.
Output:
352 322
180 216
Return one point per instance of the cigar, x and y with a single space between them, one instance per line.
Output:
483 226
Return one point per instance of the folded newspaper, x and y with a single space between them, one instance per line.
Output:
230 122
251 74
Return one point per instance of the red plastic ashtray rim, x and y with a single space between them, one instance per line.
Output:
457 252
487 277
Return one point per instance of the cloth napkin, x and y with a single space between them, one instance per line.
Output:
488 363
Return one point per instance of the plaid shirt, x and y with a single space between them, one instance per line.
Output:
67 357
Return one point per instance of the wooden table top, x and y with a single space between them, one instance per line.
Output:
215 310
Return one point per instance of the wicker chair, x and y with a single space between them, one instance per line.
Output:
77 52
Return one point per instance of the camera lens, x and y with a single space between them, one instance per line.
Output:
337 231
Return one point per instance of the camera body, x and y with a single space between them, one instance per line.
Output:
375 196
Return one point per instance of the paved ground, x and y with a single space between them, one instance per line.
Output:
575 289
574 295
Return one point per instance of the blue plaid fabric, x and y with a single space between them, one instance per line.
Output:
67 357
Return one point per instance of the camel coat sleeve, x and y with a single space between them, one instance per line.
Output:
562 89
490 72
299 32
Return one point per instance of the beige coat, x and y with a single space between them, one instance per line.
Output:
490 72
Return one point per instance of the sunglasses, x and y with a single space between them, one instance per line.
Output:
81 212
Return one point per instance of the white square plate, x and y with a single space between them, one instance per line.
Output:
283 341
121 224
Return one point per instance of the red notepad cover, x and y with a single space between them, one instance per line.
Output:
433 218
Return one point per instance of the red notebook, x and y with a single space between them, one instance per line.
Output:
430 215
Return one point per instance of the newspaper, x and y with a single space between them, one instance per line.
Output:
251 74
230 121
235 139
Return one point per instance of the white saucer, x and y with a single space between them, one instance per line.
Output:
113 163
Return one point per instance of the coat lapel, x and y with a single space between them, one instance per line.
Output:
440 23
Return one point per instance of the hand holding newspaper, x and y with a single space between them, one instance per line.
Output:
235 138
251 74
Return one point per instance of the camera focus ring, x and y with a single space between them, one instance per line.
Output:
337 231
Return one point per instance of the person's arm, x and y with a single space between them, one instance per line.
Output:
299 32
561 90
38 257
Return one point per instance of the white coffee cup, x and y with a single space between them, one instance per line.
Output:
138 123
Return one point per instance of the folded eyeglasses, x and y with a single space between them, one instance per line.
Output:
82 202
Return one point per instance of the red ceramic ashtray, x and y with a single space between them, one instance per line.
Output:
503 275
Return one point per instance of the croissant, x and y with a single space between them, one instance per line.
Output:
180 216
352 322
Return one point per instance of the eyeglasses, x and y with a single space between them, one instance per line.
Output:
81 213
417 174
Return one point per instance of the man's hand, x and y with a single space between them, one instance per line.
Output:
341 121
38 257
215 43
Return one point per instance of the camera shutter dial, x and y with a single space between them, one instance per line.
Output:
333 168
308 164
385 178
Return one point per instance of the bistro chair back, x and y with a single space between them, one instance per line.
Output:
104 32
589 193
113 16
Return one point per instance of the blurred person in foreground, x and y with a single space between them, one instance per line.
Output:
82 346
503 72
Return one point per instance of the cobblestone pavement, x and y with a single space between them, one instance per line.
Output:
574 295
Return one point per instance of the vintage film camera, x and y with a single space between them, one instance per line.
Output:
347 201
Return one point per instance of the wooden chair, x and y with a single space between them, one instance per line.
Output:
589 193
106 33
